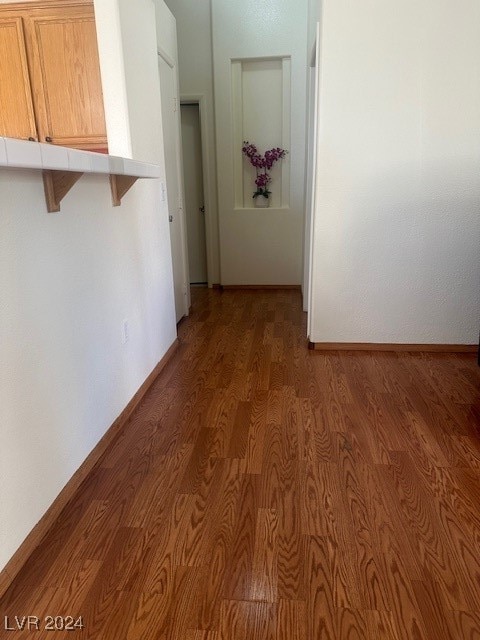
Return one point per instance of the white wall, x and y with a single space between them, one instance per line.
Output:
313 55
139 41
314 16
166 27
397 225
112 70
260 246
194 38
67 283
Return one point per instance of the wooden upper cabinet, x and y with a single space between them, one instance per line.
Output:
17 119
64 71
67 88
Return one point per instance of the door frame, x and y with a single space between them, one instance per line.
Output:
314 78
199 98
180 196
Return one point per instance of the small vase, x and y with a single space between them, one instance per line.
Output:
261 202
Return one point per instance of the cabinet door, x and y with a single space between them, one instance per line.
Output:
67 88
17 119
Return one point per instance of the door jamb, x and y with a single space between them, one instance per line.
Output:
180 197
315 63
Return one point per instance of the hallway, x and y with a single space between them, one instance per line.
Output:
264 491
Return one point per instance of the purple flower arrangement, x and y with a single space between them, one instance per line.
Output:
263 165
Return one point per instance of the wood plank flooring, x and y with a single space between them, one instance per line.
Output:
262 491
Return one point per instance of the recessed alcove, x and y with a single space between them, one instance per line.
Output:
261 89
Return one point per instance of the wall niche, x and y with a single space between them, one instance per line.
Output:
261 89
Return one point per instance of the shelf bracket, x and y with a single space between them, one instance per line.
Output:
57 184
119 186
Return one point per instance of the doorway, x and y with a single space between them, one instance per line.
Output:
194 193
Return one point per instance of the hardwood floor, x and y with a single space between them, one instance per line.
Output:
263 491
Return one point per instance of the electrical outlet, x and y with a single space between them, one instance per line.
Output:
125 332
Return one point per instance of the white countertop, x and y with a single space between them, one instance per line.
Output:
23 154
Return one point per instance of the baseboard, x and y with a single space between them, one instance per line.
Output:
216 285
280 287
378 346
40 530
